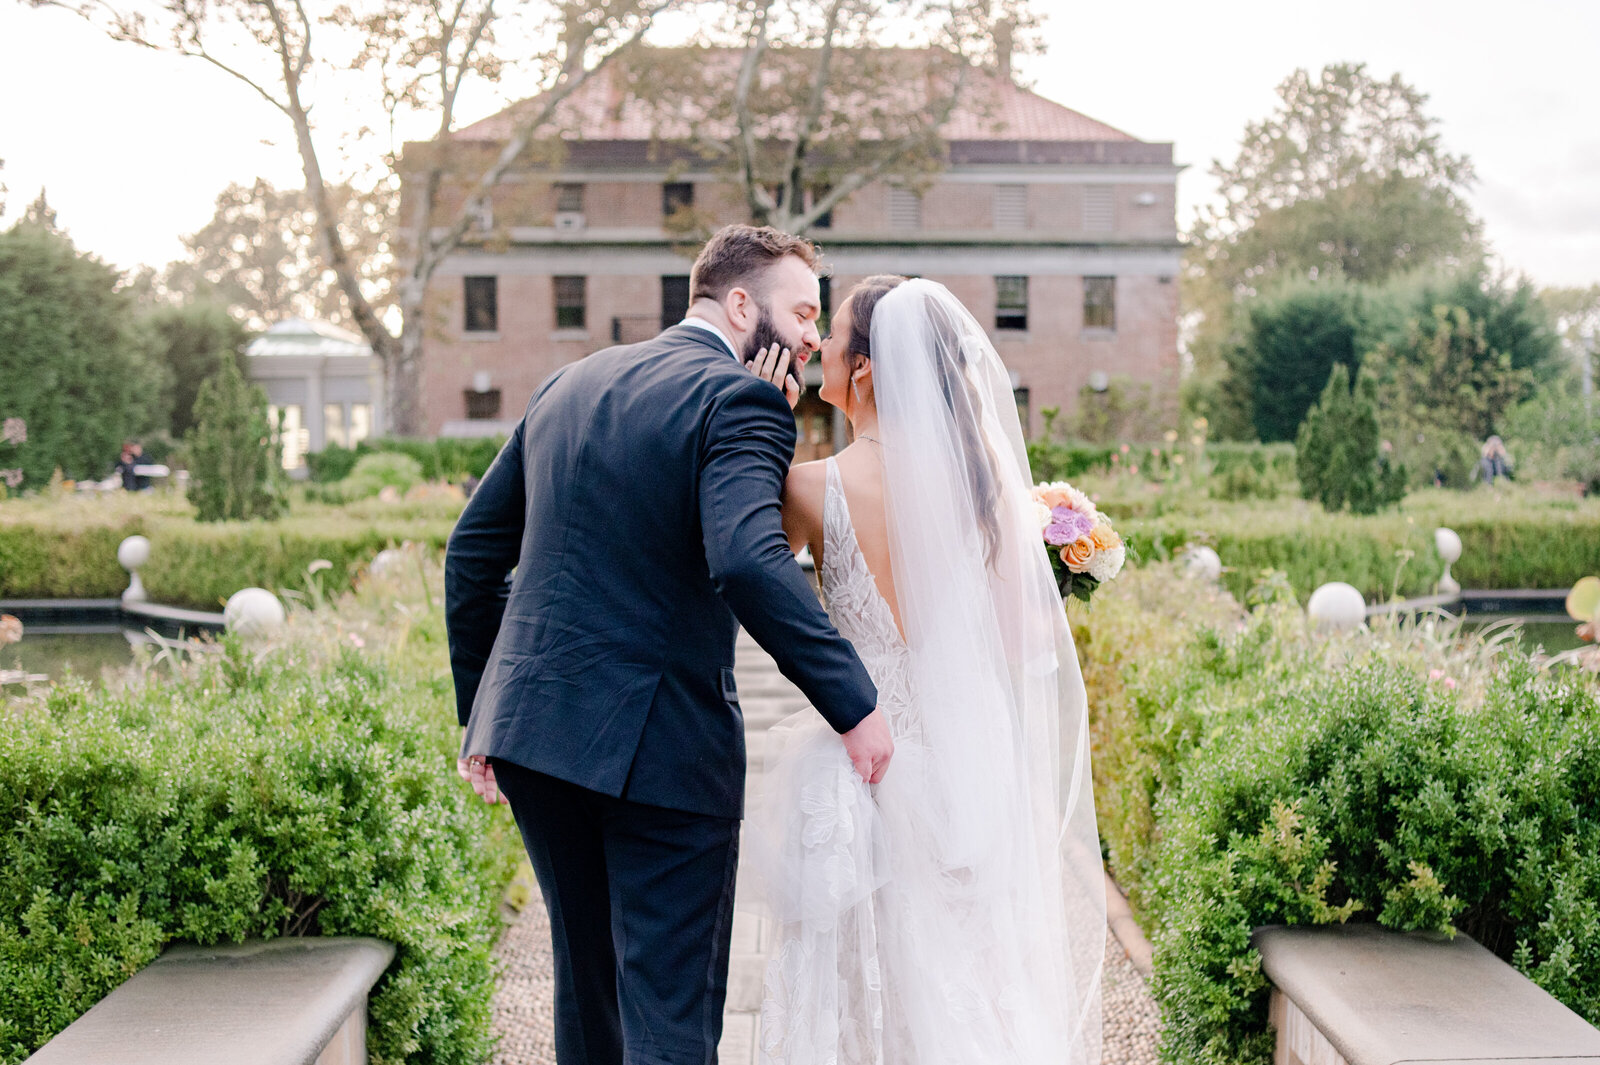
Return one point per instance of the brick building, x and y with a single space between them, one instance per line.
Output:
1057 231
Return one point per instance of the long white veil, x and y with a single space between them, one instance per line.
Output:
1000 693
954 915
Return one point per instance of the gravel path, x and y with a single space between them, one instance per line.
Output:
524 1000
523 1003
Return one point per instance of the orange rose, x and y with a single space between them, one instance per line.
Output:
1077 554
1104 537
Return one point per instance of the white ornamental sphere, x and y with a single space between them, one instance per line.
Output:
1337 605
133 553
1203 564
1448 544
253 613
386 561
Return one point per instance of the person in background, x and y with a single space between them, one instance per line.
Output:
1494 461
131 458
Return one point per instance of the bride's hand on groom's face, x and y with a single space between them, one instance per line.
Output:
772 364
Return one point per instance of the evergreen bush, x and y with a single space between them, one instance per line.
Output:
235 461
1339 456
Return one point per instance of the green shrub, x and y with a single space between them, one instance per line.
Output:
371 474
1338 454
444 459
305 789
235 462
68 548
1249 773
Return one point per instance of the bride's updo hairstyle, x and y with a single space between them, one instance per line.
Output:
961 398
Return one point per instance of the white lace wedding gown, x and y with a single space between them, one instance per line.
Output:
903 937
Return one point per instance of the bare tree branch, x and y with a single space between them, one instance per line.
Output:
761 203
793 172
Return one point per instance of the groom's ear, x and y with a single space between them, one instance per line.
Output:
740 308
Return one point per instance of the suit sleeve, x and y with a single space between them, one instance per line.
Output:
483 550
749 445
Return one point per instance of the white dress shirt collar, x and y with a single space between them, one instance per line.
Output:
701 323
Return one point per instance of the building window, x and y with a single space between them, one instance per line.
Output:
676 196
482 305
1011 206
1023 399
1011 303
360 427
482 406
674 299
333 434
1099 303
905 208
825 219
571 304
294 437
569 197
1099 209
825 301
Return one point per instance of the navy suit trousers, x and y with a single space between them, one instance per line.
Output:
641 914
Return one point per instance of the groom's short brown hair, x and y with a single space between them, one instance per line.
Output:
738 255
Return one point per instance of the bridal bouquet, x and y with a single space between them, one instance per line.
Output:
1084 549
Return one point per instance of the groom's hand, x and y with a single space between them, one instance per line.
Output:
772 364
870 746
480 774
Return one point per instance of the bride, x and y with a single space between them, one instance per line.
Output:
954 913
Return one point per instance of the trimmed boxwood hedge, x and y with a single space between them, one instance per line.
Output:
1249 772
73 553
307 788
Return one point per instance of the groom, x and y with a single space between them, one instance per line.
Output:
638 505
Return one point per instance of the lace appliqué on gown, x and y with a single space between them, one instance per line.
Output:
899 941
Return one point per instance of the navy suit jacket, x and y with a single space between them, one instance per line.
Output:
638 503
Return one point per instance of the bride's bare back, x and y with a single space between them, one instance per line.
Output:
861 471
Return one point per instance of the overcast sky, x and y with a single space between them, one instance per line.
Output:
133 146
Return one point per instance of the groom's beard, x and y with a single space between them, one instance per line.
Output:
764 336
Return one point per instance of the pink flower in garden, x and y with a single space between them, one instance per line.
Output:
1066 526
14 431
357 640
1435 674
1449 682
12 478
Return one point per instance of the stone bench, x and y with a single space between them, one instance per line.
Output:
293 1001
1363 995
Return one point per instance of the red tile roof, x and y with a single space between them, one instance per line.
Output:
995 110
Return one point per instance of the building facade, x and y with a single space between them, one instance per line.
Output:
1057 231
323 381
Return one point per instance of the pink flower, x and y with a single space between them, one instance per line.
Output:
1066 526
357 640
1435 674
1449 682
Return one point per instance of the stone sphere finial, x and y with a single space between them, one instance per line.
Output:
1202 563
132 554
1337 605
1448 543
253 613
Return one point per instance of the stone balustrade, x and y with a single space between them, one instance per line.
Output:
295 1001
1363 995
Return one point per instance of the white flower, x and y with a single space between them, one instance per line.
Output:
1044 514
1106 564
